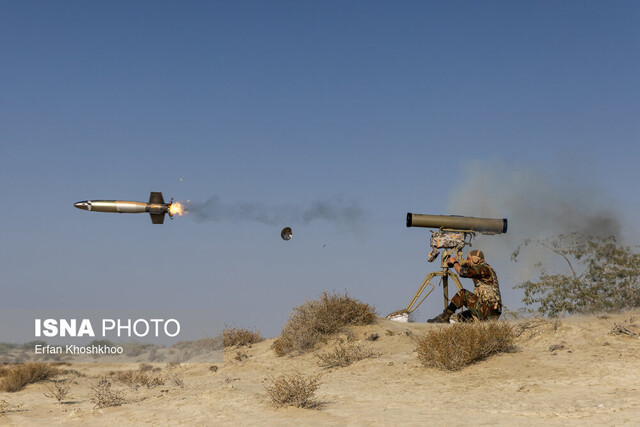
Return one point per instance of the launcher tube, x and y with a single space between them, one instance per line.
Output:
455 222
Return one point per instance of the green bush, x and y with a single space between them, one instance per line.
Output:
601 276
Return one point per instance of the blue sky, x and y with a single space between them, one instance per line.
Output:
390 106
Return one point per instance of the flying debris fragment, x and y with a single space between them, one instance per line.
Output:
156 207
286 233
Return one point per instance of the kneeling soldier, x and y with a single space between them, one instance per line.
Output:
484 302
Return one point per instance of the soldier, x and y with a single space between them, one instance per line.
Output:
485 302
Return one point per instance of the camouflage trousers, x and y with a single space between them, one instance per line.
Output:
477 309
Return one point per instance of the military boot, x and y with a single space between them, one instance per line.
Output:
443 317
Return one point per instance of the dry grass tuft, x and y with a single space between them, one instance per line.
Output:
240 337
18 376
295 390
104 396
343 355
315 320
454 347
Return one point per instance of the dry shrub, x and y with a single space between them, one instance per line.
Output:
241 355
454 347
104 396
294 390
620 329
240 337
315 320
556 347
177 380
373 337
18 376
625 328
343 355
530 328
8 407
59 389
140 378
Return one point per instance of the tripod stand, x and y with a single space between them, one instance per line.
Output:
444 274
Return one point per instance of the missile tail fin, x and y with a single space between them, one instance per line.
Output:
156 197
157 218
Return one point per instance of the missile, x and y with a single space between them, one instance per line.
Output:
156 207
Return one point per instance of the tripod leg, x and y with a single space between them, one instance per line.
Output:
456 280
445 289
427 282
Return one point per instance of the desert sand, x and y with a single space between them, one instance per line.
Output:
569 371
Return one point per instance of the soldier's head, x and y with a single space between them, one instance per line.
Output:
475 257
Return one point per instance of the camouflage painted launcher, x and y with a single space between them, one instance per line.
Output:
452 237
458 223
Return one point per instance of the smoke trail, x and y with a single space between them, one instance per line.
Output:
346 215
536 205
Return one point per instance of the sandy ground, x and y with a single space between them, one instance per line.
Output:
592 377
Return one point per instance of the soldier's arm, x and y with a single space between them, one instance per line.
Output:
473 272
453 262
457 266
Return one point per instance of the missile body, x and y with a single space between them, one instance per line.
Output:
156 207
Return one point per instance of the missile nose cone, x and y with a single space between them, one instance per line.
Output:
82 205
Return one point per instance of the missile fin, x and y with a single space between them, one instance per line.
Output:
156 197
157 218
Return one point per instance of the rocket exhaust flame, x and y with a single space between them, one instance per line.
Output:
176 208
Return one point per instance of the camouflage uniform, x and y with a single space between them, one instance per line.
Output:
485 302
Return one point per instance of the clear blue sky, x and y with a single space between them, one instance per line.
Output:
276 103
